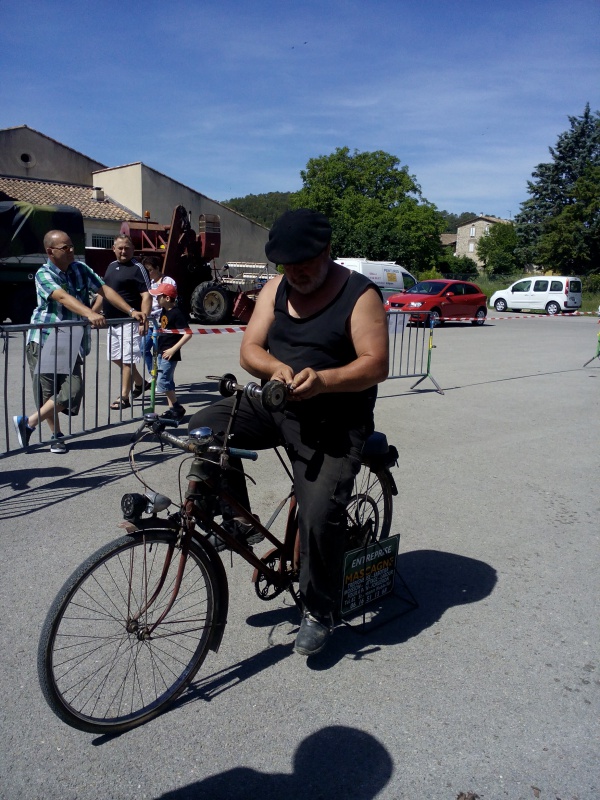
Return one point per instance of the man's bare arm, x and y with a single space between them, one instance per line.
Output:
254 356
73 304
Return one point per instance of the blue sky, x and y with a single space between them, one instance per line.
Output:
233 97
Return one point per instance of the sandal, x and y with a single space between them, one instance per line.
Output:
121 402
137 390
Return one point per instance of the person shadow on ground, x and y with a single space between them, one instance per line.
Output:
335 762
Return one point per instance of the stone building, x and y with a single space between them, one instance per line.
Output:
470 232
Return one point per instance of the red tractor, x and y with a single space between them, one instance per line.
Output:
209 295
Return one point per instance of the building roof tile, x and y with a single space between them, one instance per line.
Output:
42 192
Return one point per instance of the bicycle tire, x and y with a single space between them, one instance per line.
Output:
97 675
370 507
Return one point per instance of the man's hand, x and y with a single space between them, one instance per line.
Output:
306 384
96 320
140 317
283 373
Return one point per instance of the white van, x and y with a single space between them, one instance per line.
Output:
388 276
554 293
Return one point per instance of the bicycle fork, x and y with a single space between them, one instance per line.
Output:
183 541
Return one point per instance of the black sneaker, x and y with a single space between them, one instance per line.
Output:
171 413
314 633
23 430
177 412
57 444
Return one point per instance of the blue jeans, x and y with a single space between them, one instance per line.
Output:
147 346
166 375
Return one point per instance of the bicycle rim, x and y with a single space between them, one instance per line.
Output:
102 669
371 505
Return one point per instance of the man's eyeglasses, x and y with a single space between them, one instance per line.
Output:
66 248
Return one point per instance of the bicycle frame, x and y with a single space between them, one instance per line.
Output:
285 552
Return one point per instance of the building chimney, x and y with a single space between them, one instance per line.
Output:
98 194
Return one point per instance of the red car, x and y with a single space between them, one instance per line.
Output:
444 299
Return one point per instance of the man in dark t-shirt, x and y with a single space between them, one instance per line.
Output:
130 280
320 329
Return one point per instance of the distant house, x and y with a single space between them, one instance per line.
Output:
448 241
470 232
38 169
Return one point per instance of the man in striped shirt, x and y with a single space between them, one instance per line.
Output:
63 287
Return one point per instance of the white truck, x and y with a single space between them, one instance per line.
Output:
390 277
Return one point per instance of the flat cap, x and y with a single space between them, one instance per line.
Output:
298 236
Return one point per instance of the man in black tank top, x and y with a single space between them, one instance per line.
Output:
321 329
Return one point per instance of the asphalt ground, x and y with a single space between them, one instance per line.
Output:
490 686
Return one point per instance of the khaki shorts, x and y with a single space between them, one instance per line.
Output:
123 343
67 390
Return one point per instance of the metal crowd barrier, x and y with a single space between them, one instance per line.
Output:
101 380
411 343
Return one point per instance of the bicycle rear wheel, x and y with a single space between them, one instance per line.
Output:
101 668
370 508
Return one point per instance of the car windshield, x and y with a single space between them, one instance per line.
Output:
427 287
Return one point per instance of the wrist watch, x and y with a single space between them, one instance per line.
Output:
130 312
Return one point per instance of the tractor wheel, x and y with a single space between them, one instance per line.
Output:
211 303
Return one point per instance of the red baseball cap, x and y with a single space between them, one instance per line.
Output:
165 288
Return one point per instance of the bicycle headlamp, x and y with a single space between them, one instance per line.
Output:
133 505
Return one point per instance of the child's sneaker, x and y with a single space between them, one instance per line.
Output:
23 430
177 412
57 444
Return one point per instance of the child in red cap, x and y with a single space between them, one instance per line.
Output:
169 346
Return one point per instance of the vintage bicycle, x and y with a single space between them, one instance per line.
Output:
133 624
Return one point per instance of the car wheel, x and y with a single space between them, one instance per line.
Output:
479 317
500 305
552 308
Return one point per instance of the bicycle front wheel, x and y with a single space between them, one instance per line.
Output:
103 668
369 510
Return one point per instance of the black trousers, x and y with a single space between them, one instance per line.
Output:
324 451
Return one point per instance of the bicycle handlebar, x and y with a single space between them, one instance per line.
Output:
251 455
273 397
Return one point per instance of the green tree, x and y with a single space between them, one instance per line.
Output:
569 243
374 206
498 250
262 208
458 267
453 221
553 191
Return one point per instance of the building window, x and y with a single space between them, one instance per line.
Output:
472 230
471 247
102 240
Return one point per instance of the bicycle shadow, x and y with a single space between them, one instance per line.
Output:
437 580
71 482
335 762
